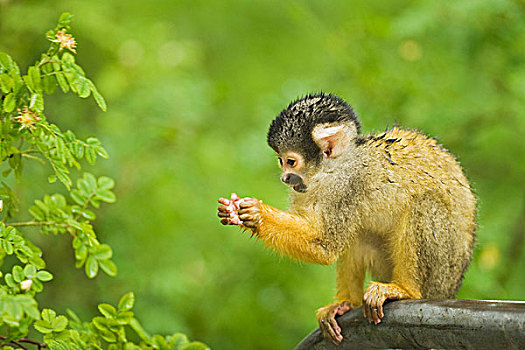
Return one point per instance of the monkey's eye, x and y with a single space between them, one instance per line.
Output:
291 162
280 161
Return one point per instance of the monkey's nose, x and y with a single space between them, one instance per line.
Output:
291 179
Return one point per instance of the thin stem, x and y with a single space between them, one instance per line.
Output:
50 73
27 155
34 223
84 207
23 340
29 341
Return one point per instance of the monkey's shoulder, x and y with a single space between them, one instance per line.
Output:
400 138
411 153
407 144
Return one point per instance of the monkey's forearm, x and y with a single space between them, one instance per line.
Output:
292 235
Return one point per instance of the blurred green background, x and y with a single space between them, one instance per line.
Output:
192 87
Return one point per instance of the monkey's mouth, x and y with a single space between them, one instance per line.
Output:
301 188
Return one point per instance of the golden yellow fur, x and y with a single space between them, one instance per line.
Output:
406 214
395 204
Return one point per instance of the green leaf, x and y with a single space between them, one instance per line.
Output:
84 188
91 155
124 317
6 83
105 183
102 252
78 150
18 273
64 21
8 247
43 327
6 62
107 310
59 324
195 346
29 305
91 267
73 316
62 82
77 197
49 315
44 276
108 267
59 200
49 82
9 103
100 323
83 89
9 280
30 271
126 302
108 336
81 253
36 102
58 345
77 242
34 74
102 152
88 214
62 174
137 327
106 196
68 58
101 102
91 181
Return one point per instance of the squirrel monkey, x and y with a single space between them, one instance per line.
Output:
395 204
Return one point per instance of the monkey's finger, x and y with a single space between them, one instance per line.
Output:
235 221
331 331
324 330
224 201
249 224
375 316
226 221
366 312
380 309
247 216
223 209
248 202
223 214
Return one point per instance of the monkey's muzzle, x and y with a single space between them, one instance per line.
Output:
294 181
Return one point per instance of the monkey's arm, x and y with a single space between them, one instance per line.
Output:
288 233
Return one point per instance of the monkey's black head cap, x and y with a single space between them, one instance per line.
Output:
292 129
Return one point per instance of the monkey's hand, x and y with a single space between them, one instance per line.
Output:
245 212
375 296
229 210
328 324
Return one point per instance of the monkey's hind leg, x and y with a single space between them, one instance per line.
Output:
350 279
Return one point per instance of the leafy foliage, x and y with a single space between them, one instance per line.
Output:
193 86
26 135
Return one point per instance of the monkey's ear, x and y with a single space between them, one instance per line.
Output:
333 139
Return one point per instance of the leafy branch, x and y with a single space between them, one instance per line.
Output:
27 135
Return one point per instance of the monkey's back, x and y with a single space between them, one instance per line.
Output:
437 215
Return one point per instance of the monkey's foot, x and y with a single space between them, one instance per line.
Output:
328 324
375 296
